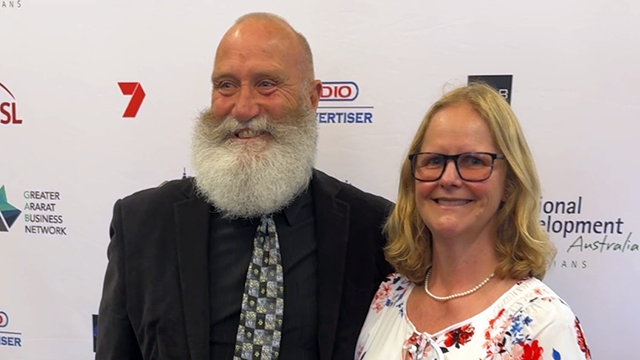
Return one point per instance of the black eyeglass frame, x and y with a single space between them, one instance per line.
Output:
454 158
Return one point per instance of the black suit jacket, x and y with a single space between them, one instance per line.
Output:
155 302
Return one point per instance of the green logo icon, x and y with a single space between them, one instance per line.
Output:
8 213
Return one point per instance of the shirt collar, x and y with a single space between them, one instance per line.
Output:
289 213
292 211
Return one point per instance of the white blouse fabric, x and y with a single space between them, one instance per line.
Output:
528 322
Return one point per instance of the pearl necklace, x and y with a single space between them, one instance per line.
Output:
445 298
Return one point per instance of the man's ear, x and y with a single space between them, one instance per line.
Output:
315 90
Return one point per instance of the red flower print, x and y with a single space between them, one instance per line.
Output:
459 336
531 351
416 347
537 291
381 296
582 341
493 321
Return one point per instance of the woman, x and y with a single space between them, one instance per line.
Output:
467 245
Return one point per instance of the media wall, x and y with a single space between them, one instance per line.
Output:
98 98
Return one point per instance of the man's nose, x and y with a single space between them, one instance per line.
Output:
245 107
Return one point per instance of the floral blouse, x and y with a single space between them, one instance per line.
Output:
528 322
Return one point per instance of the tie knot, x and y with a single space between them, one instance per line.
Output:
267 223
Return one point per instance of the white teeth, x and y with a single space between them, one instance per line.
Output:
452 202
248 133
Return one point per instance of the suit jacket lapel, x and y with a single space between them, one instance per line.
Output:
332 228
192 227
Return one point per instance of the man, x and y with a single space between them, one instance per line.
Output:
182 256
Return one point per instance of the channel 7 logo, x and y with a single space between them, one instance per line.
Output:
502 83
137 97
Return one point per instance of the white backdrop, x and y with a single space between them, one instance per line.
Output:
575 73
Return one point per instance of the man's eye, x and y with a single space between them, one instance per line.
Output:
266 83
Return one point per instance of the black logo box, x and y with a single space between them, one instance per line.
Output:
502 83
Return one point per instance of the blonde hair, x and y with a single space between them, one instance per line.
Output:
523 247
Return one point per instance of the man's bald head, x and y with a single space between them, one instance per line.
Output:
277 28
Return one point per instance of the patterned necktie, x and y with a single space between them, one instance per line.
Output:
260 325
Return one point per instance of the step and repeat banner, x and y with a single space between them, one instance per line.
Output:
98 98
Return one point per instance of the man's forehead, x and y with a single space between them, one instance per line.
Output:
263 25
250 55
224 71
258 32
241 46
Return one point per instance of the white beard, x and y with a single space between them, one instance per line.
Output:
257 178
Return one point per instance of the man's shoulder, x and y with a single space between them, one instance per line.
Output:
351 194
167 192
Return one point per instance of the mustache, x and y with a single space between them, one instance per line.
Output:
230 126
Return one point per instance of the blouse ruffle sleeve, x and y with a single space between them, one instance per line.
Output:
545 328
383 319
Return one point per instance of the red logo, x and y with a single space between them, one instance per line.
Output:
9 110
134 89
4 319
339 91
